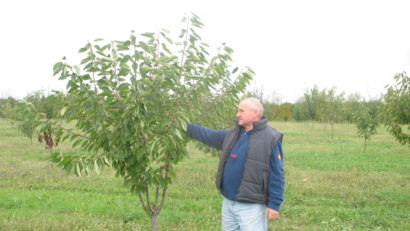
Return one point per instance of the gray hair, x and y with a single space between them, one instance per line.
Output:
254 104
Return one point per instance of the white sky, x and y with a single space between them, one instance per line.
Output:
354 45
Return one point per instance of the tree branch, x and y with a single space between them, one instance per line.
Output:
151 209
143 202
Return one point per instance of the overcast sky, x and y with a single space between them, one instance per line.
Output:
353 45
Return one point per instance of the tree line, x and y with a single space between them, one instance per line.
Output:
319 105
327 106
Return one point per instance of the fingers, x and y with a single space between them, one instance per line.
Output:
272 214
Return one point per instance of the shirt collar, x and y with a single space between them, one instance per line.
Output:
257 125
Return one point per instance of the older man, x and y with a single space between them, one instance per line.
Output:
250 173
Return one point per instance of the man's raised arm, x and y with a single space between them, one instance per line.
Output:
213 138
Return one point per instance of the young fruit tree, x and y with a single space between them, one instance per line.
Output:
27 119
332 108
366 122
129 102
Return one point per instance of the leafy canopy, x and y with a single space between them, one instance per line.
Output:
130 101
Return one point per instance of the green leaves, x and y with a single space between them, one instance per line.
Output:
149 35
397 109
57 68
62 112
178 134
77 69
97 169
79 162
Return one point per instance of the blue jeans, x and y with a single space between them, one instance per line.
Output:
238 216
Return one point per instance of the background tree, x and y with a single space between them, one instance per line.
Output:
366 122
8 107
332 108
258 91
130 101
311 105
351 105
300 111
27 119
397 110
50 104
284 111
273 108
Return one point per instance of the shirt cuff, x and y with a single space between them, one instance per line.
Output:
274 206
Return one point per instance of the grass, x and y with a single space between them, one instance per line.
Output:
330 185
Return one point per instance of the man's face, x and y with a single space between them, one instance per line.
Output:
246 115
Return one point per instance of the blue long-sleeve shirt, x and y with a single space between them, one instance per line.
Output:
233 169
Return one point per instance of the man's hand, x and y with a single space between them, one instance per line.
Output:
271 214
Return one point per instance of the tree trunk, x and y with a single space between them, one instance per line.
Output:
332 130
365 144
153 208
154 222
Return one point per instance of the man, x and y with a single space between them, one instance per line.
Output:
250 172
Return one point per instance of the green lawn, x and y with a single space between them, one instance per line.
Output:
330 185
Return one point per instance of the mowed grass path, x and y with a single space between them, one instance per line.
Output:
330 185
